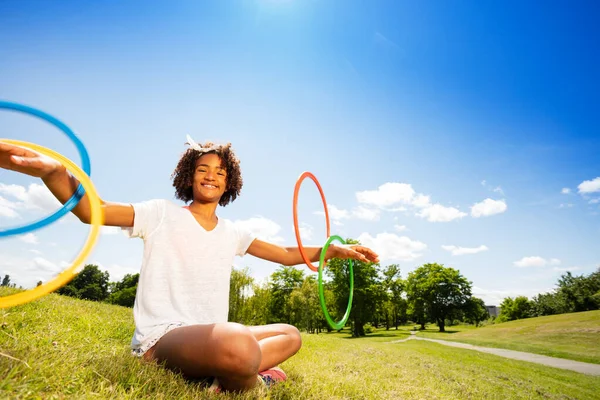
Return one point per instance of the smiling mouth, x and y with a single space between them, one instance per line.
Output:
209 186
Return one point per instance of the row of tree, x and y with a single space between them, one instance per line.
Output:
572 294
432 293
380 297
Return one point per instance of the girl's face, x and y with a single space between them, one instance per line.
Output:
210 179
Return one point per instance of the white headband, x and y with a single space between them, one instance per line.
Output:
197 147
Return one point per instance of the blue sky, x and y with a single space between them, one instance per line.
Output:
463 134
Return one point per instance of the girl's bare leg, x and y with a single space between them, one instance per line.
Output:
277 342
230 351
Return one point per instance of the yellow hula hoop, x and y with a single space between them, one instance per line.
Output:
96 221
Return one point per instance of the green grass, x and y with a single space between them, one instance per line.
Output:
59 347
574 336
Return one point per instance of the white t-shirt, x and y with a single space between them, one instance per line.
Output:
185 273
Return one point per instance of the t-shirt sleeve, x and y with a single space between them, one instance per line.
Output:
148 216
245 237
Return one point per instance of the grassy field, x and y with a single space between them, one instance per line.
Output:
59 347
573 336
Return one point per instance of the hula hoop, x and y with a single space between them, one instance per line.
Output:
96 221
295 215
335 325
85 162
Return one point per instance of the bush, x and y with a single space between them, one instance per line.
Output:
369 328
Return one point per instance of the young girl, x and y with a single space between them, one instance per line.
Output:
182 299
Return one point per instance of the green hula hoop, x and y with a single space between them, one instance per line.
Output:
342 322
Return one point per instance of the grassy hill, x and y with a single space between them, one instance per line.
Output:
574 336
59 347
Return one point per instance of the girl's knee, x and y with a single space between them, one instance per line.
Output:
241 351
295 338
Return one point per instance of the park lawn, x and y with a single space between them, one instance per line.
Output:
574 336
59 347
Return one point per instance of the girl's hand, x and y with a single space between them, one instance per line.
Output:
25 161
353 251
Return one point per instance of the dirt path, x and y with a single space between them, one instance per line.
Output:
577 366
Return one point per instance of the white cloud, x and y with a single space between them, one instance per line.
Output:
439 213
336 214
16 191
421 201
594 201
264 228
393 247
388 194
40 262
34 251
367 214
488 207
590 186
36 197
394 196
458 251
361 212
7 208
400 228
306 231
567 205
536 261
565 191
498 189
29 238
27 271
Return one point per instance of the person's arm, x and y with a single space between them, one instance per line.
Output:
62 185
291 255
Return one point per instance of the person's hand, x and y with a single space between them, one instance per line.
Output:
25 161
353 251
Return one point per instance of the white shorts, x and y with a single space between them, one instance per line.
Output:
150 341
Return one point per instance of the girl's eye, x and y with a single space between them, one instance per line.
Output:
221 173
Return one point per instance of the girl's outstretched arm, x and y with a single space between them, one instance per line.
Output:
291 255
62 185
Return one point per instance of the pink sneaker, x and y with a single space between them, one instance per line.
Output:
272 376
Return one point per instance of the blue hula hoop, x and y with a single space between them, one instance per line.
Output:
85 162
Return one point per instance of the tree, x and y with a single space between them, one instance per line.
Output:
579 291
123 293
89 284
305 306
366 291
394 286
6 280
437 291
259 303
548 304
283 281
475 311
240 286
512 309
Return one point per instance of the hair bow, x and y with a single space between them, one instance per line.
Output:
197 147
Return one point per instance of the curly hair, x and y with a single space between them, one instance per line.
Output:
183 175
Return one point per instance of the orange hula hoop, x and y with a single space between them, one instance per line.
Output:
295 215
